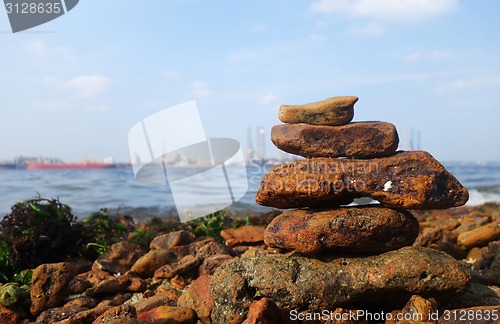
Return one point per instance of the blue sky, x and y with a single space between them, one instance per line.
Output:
73 87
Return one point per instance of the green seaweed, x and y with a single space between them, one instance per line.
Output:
242 222
102 231
8 265
12 293
210 225
40 231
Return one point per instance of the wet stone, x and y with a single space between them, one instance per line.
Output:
117 312
412 180
58 314
49 285
480 236
296 282
361 139
353 229
243 235
182 266
197 296
172 239
169 314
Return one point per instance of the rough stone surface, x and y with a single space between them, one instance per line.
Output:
172 239
265 311
9 316
167 288
115 300
412 180
197 296
83 281
331 111
124 283
117 312
495 269
149 303
82 301
243 235
440 239
58 314
210 249
476 295
147 264
120 258
126 320
417 310
79 284
361 139
179 282
211 264
361 229
88 316
169 314
184 265
49 284
480 236
311 284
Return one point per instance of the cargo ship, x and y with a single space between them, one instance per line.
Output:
53 163
62 165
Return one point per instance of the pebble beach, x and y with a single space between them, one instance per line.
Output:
412 253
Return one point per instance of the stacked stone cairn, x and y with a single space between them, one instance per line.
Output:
342 255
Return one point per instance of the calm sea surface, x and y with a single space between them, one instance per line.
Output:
88 190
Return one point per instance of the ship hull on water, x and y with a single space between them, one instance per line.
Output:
36 166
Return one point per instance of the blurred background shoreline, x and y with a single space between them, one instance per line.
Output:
89 190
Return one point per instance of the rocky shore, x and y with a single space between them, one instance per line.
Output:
416 256
169 282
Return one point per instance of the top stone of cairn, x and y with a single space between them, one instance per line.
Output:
333 111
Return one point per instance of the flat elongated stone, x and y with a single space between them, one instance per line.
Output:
362 140
243 235
480 236
331 111
413 180
303 283
363 229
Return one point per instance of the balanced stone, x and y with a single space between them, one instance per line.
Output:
295 282
358 229
413 180
361 139
331 111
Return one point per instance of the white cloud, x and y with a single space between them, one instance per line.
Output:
201 89
433 55
269 98
474 83
97 108
52 105
386 10
371 28
36 46
170 74
88 86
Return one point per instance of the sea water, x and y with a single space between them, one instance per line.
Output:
89 190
